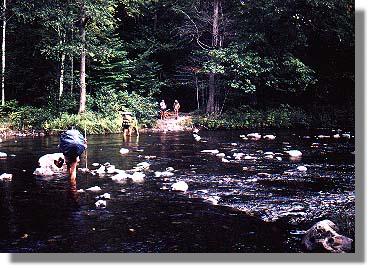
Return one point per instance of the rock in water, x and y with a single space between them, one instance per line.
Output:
6 177
120 177
180 186
103 196
269 137
49 160
210 151
138 177
3 155
323 237
159 174
101 204
294 153
42 171
94 189
124 151
302 168
254 136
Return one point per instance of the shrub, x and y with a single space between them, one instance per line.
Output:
91 122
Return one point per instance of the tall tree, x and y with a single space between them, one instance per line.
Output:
82 29
3 55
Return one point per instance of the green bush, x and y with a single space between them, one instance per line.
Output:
283 116
109 103
91 122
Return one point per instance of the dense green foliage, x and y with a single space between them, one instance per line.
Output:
291 62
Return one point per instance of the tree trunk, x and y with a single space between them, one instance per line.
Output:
72 75
3 57
211 103
197 87
61 74
72 68
82 107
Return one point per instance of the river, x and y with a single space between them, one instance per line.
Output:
259 204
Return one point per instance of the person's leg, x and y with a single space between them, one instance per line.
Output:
72 170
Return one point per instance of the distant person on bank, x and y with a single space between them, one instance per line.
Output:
163 107
176 108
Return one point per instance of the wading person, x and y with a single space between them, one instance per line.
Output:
176 108
72 145
129 123
163 108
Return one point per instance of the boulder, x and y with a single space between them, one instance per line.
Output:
210 151
180 186
3 155
55 162
101 204
254 136
43 172
324 237
6 177
124 151
294 153
302 168
269 137
94 189
138 177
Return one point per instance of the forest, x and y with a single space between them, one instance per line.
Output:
231 64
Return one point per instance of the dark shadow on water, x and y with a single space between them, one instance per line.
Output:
265 257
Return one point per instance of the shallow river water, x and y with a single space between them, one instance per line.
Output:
259 204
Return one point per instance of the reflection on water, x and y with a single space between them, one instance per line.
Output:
259 203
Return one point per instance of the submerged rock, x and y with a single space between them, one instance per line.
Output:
180 186
323 237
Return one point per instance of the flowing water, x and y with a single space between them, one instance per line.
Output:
259 204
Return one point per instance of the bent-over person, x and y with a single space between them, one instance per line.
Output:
72 145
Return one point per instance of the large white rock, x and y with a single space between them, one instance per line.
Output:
180 186
42 171
6 177
3 155
48 161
